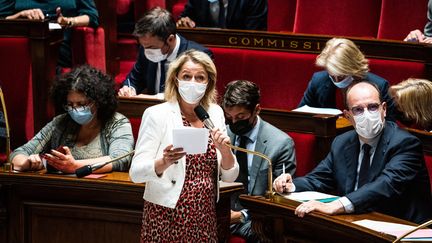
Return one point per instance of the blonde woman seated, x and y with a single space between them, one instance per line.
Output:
182 189
89 130
343 63
413 99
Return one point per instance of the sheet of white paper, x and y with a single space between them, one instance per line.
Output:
308 195
308 109
192 140
382 226
54 26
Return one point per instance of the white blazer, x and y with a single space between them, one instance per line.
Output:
154 136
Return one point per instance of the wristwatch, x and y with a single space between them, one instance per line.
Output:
244 217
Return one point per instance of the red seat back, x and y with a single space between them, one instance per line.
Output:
338 17
88 46
304 148
281 76
428 161
396 71
16 82
399 17
281 15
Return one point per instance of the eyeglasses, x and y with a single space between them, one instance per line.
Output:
372 108
79 108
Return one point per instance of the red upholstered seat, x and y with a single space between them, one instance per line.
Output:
123 6
304 147
338 17
281 15
395 71
135 123
88 46
428 160
282 76
16 82
178 7
236 239
399 17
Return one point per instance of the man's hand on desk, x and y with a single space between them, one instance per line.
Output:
283 183
127 91
331 208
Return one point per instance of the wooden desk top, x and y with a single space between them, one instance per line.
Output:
113 179
338 228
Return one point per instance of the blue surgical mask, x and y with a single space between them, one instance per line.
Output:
343 83
81 116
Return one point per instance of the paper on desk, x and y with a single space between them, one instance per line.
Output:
396 229
311 195
192 140
54 26
308 109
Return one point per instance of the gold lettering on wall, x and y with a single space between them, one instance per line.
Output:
274 43
258 42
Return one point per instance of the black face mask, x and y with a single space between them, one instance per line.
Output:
240 127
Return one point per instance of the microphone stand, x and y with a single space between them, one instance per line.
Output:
398 239
8 165
269 193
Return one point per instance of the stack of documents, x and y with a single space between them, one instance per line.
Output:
396 230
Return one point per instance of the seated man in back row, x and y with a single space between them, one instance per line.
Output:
377 167
241 104
159 45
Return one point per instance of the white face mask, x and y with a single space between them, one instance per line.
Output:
191 92
369 125
343 83
155 55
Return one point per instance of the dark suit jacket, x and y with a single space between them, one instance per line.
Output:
321 92
279 147
398 179
143 74
242 14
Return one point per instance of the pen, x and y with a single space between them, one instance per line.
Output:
283 168
129 86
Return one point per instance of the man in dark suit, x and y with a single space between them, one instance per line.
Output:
231 14
343 63
159 45
376 167
246 129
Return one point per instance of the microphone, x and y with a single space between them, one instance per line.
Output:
88 169
205 118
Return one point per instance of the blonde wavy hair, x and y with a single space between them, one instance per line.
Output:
197 57
413 97
341 57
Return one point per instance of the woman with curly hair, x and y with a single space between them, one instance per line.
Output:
88 131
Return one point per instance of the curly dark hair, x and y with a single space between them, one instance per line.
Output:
97 86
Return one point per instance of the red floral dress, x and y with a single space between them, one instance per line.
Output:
194 217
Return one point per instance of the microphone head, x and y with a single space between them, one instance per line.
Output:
201 113
83 171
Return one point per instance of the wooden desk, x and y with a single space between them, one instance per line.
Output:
276 222
37 207
44 45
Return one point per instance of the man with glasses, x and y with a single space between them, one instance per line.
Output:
376 167
159 45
